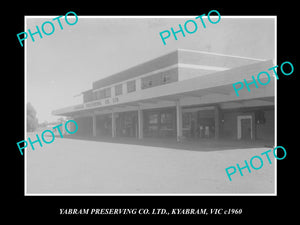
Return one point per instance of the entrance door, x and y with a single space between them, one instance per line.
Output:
246 129
205 128
134 125
127 124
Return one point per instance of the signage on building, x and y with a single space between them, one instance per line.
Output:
104 102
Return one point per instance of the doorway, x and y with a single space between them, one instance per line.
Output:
244 127
127 124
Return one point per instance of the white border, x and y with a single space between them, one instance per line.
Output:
25 108
275 101
156 194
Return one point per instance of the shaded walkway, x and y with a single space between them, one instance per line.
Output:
186 144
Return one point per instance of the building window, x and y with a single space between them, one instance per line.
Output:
131 86
101 94
95 96
159 79
166 78
166 124
153 118
186 120
160 123
88 96
153 124
98 95
107 92
151 81
166 118
118 90
104 93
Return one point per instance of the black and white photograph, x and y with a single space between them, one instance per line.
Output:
149 118
153 106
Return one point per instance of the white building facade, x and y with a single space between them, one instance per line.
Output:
184 94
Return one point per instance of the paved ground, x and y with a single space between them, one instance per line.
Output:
74 166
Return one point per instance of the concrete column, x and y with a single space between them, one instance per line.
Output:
113 124
124 88
138 84
253 127
94 126
69 126
217 122
140 123
178 121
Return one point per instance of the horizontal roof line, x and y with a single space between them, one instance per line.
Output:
203 67
221 54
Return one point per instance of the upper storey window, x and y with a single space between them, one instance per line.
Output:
131 86
101 94
159 79
118 90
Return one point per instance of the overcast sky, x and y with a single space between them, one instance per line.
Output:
65 63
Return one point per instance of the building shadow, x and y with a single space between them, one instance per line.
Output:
185 144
